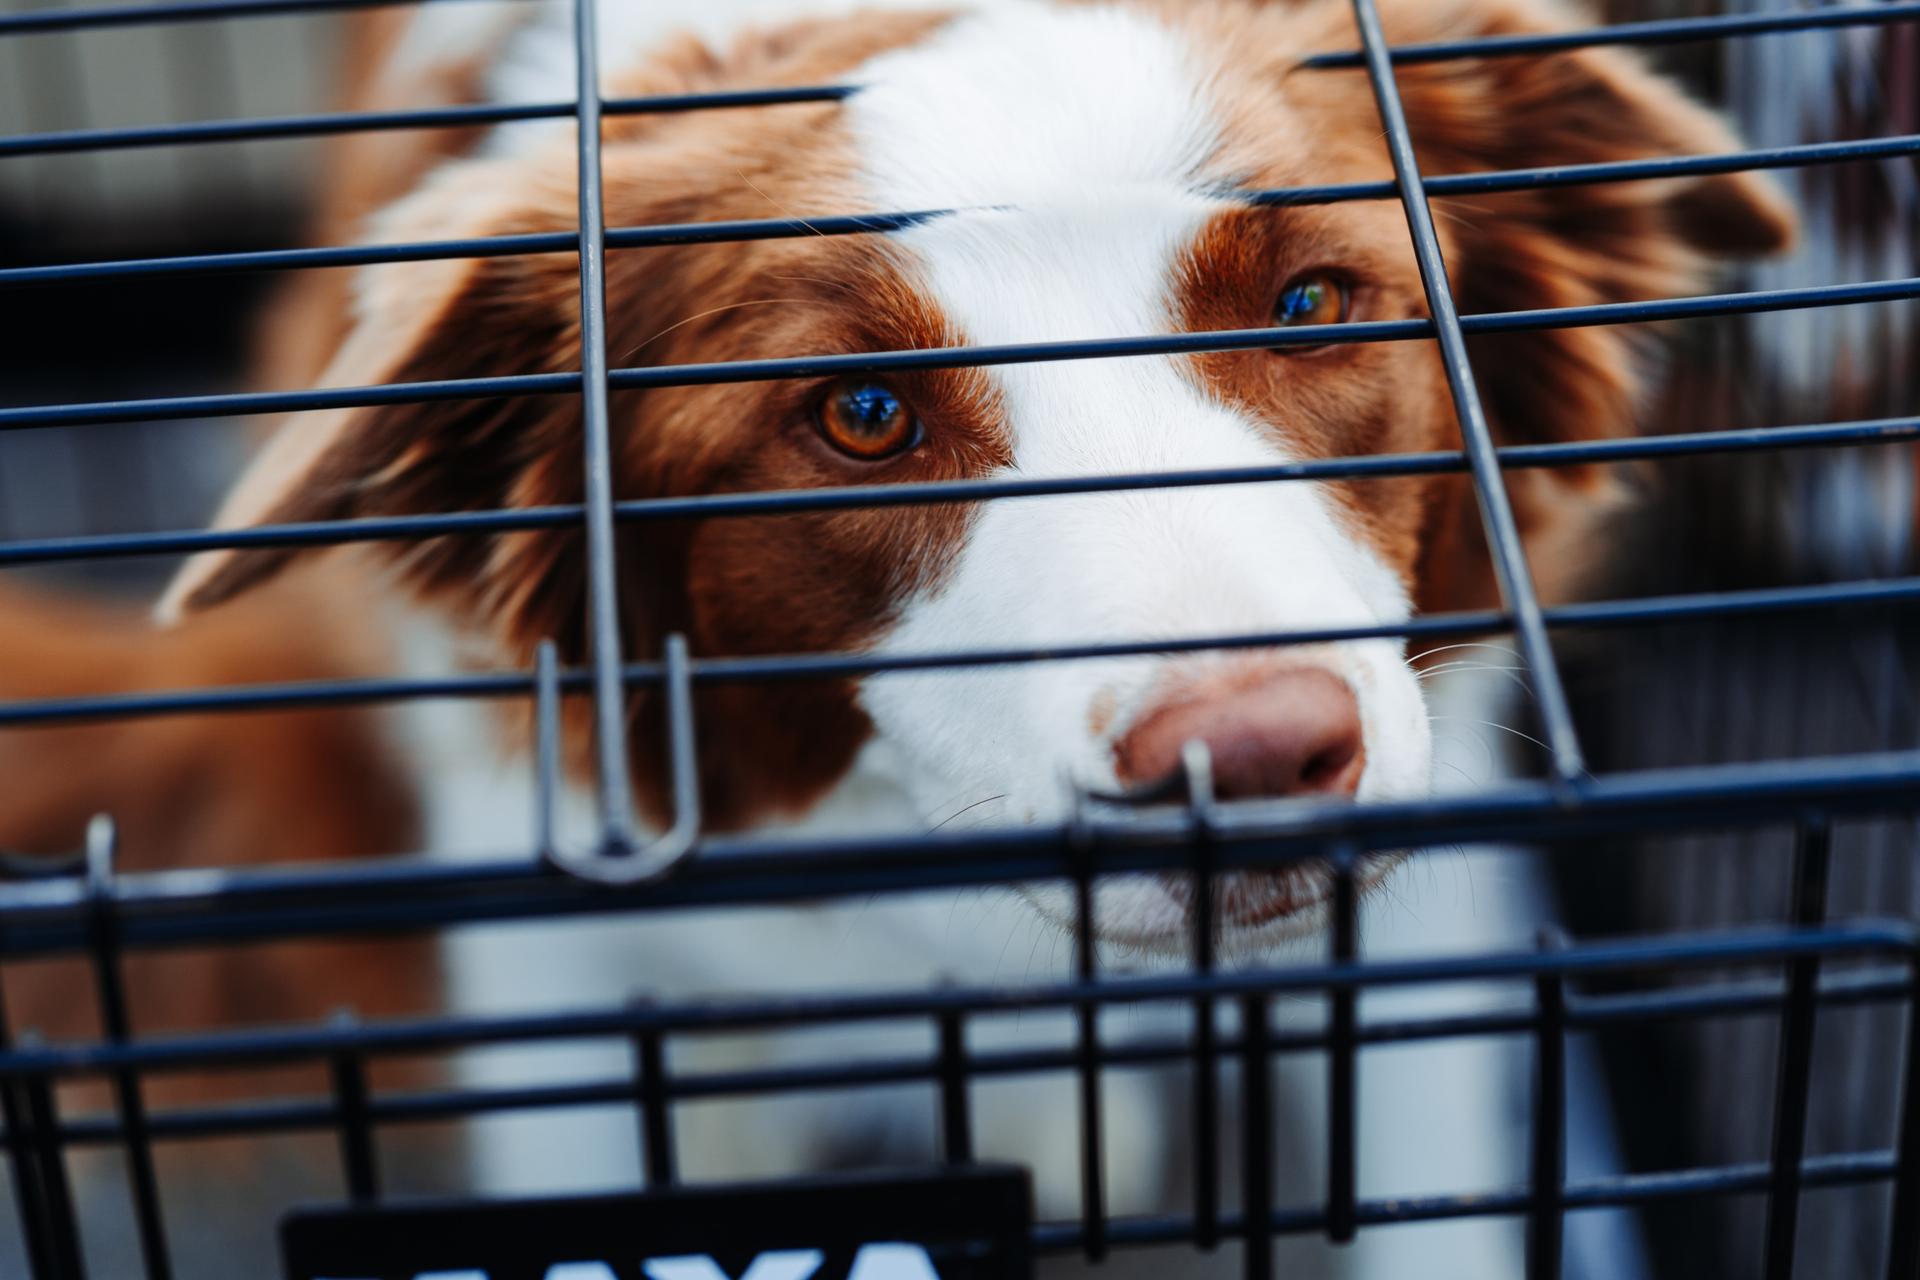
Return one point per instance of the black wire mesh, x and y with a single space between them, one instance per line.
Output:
104 915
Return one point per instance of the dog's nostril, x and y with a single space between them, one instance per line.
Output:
1295 731
1327 770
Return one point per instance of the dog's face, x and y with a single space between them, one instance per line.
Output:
1089 154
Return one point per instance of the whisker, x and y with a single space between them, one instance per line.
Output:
1476 739
963 810
1462 665
1457 769
712 311
1509 673
757 190
1504 728
1505 650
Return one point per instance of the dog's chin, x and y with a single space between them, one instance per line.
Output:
1255 913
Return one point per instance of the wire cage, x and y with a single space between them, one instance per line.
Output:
1794 970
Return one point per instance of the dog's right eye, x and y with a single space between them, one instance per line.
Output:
1316 298
866 420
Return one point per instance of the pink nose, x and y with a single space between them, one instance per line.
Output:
1288 732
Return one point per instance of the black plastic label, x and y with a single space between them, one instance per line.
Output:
959 1224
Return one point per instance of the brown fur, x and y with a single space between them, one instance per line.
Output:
834 574
204 791
827 581
1563 247
364 172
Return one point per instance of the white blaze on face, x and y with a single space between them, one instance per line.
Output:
1074 140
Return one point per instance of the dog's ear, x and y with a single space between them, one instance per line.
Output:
487 317
1572 245
428 321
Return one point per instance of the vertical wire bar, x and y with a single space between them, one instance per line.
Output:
43 1123
105 949
609 693
36 1225
1086 956
1903 1243
351 1106
1256 1128
1496 513
1547 1218
1794 1078
1342 1212
627 864
656 1128
1206 1094
684 765
956 1122
546 749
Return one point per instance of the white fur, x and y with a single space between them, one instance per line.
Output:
479 803
1087 131
538 64
1090 130
1077 141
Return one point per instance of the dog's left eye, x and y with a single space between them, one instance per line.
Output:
866 420
1314 298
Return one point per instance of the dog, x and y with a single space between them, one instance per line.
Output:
1087 158
186 793
206 790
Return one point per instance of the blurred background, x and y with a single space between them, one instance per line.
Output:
1682 1095
149 337
1698 1094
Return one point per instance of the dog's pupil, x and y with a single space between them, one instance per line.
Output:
1301 300
872 410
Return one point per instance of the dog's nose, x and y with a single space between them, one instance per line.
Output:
1291 732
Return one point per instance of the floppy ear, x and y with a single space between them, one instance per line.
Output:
1577 245
487 317
422 321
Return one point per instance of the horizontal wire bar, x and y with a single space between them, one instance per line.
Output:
190 133
729 232
231 1119
326 123
1644 1188
159 909
1619 1190
1642 610
803 666
236 404
130 15
1886 938
1654 32
1551 176
1623 1190
919 493
1667 31
797 367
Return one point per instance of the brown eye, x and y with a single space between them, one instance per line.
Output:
866 420
1314 298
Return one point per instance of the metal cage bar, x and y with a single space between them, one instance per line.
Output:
110 985
1496 511
773 370
1546 1217
609 696
353 1108
1812 855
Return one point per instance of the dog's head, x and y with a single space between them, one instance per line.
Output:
1089 155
